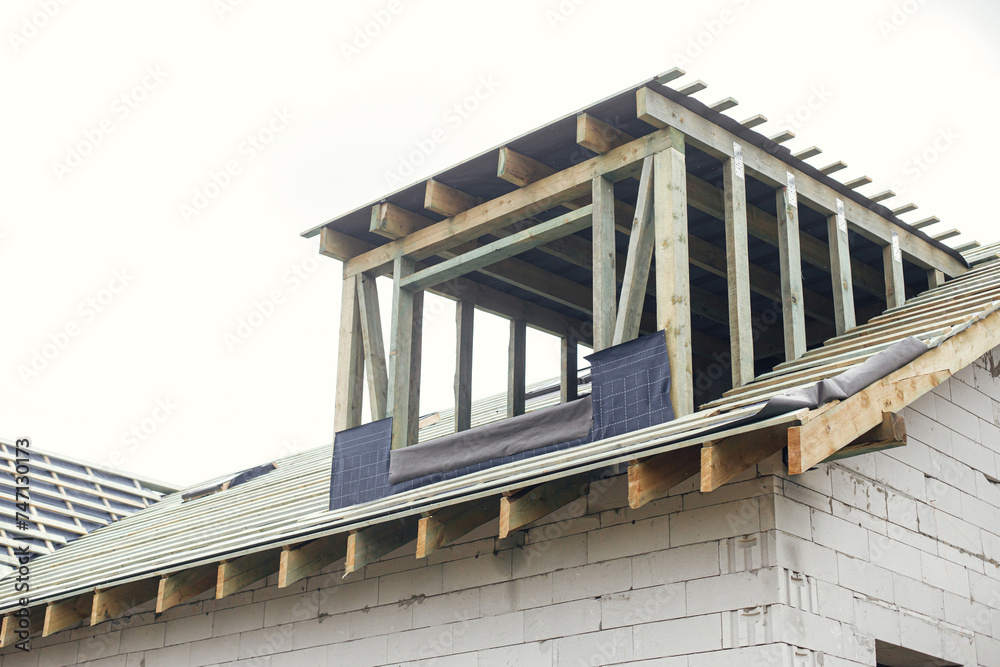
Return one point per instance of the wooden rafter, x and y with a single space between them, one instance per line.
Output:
112 602
450 523
522 507
304 560
726 459
235 575
182 586
369 544
14 624
446 200
653 477
889 434
67 613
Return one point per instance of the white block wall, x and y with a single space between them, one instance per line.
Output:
900 546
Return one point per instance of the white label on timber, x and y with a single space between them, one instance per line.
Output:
897 254
793 199
841 217
738 158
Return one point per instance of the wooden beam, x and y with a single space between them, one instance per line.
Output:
754 121
464 323
416 362
19 626
519 169
598 136
926 222
350 360
527 505
856 183
604 282
840 271
447 201
738 270
895 282
692 88
67 613
516 368
371 329
401 344
882 196
724 104
670 75
653 477
235 575
568 377
112 602
635 280
889 434
728 458
944 236
792 302
304 560
446 525
905 208
393 221
807 153
181 586
782 137
834 167
369 544
673 291
935 279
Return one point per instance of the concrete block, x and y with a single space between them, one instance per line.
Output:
879 619
20 658
943 496
967 614
985 588
170 656
791 517
676 564
806 496
806 556
917 596
112 661
421 644
889 552
143 637
310 657
258 644
596 648
292 608
899 476
863 577
970 397
189 629
487 569
460 660
715 522
521 655
214 651
644 605
447 608
990 432
987 490
978 512
976 456
349 597
607 494
958 646
424 582
732 492
628 539
829 531
557 529
516 595
748 627
562 620
988 650
733 591
747 552
943 574
957 418
320 631
592 580
101 646
682 636
919 634
489 632
860 518
834 601
271 592
59 655
991 545
384 620
545 557
362 653
957 532
858 492
240 619
658 507
924 405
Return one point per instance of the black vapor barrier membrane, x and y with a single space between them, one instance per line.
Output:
630 386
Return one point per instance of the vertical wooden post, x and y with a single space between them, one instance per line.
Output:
400 355
789 252
464 319
568 378
935 278
840 270
374 348
416 357
637 262
350 360
738 269
895 285
673 277
516 368
605 276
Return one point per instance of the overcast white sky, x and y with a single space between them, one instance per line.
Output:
119 304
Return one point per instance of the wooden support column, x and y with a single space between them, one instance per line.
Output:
792 303
416 361
67 613
516 367
371 329
447 525
738 269
935 279
673 289
300 561
840 270
637 262
464 322
569 378
235 575
520 508
605 283
895 284
653 477
113 602
369 544
400 355
350 360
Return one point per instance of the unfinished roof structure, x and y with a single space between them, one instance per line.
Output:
767 280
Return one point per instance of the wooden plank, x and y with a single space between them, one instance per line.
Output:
792 301
339 245
673 290
635 280
604 274
882 196
66 613
728 458
519 169
840 273
446 200
782 137
235 575
807 153
905 208
304 560
895 283
856 183
738 272
400 348
371 330
369 544
502 249
889 434
598 136
653 477
516 368
112 602
527 505
724 104
926 222
181 586
447 525
19 626
393 221
692 88
416 362
754 121
350 360
935 279
568 377
834 167
464 323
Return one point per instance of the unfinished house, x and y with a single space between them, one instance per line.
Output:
785 450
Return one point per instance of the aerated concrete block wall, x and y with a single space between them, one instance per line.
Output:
899 546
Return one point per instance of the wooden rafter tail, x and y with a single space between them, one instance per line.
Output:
446 200
304 560
369 544
597 135
889 434
235 575
67 613
522 507
449 524
13 625
393 221
726 459
182 586
113 602
653 477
